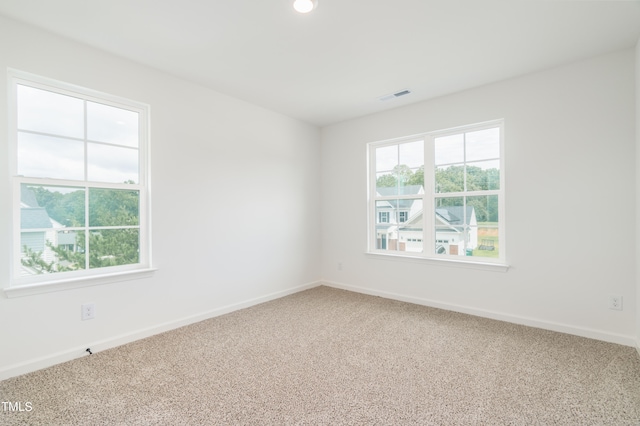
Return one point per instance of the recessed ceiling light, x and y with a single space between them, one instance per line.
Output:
305 6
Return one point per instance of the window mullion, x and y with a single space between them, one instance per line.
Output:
428 248
17 226
373 218
86 188
397 197
86 227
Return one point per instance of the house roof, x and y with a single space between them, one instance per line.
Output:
403 190
454 215
34 218
28 197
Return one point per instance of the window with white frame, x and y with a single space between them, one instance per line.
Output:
442 192
79 167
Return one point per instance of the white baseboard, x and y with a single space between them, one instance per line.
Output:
112 342
531 322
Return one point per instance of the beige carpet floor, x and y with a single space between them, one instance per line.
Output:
332 357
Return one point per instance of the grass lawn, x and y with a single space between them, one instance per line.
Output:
487 236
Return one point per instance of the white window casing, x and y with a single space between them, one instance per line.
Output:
79 170
454 212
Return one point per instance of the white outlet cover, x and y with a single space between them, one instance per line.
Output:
88 311
615 302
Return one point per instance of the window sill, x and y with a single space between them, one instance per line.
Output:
69 284
455 263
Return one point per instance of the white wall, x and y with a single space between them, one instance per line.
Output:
235 208
570 170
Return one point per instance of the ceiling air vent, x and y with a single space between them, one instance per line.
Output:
394 95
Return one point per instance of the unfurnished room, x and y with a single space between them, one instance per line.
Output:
320 212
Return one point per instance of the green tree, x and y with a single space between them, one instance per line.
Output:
112 207
67 208
386 181
417 178
403 173
33 260
112 247
450 179
107 247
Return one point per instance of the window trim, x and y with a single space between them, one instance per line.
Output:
77 282
429 196
34 284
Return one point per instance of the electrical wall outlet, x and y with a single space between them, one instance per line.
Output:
339 266
615 302
88 311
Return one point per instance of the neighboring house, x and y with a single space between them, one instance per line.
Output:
450 236
35 224
36 228
399 222
400 225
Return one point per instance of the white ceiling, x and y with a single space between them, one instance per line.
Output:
334 63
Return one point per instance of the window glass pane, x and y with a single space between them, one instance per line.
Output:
112 164
399 225
386 183
410 181
417 177
50 157
400 166
485 208
384 210
402 181
71 251
452 241
113 207
410 240
451 219
449 149
46 245
51 251
449 178
382 242
408 209
112 125
483 144
386 158
411 154
487 242
51 207
410 226
113 247
47 112
483 175
384 224
450 211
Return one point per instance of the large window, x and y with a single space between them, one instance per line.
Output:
79 168
439 195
